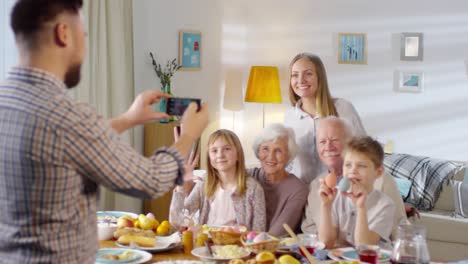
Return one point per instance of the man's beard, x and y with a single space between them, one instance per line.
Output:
73 76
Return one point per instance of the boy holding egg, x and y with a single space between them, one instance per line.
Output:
362 214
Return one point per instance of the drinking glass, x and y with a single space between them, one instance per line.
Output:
309 241
369 253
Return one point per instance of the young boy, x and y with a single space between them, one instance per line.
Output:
362 215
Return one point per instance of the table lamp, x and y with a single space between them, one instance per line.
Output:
263 87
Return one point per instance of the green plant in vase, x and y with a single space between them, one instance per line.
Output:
165 75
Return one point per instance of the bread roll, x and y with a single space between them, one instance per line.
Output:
139 240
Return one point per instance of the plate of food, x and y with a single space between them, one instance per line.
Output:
350 253
221 253
161 243
384 255
117 255
113 216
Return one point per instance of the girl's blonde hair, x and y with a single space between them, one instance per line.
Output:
212 180
323 100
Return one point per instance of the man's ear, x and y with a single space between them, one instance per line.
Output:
62 34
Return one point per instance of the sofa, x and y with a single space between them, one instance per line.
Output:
432 193
447 234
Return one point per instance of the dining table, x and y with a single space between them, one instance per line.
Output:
173 254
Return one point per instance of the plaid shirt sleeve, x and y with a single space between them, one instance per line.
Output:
95 149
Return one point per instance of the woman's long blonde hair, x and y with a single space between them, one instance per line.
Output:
323 100
212 180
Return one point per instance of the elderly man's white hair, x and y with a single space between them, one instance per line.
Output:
348 132
273 132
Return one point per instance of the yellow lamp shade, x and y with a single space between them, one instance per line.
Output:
263 86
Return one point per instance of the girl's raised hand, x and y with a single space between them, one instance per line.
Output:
189 165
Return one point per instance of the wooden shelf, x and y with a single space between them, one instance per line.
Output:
158 135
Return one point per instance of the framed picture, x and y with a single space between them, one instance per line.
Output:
190 49
411 82
411 46
352 48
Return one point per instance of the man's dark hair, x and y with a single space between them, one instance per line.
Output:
29 16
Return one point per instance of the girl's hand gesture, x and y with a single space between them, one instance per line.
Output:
188 176
327 194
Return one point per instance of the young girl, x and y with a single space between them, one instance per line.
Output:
227 196
311 100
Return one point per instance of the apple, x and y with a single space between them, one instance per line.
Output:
124 222
145 222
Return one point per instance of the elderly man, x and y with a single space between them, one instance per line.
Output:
332 135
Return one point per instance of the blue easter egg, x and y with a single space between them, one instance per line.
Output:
344 184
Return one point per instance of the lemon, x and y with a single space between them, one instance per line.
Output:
162 230
137 224
288 259
166 223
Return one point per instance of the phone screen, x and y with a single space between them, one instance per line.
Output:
176 105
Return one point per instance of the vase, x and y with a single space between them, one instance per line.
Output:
163 102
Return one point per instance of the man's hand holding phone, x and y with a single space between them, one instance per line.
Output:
194 122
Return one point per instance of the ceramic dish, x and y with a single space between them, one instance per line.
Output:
138 256
163 243
202 253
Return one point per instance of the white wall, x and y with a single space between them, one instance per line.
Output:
156 28
239 34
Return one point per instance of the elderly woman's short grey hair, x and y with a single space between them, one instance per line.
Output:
273 132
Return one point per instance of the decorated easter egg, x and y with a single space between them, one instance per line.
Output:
261 237
344 184
251 235
330 180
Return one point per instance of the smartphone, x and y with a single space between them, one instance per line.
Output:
177 105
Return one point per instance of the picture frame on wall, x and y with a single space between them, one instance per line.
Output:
190 46
352 48
411 46
410 81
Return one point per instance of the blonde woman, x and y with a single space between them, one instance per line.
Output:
311 100
228 196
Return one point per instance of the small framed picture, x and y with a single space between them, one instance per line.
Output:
411 46
190 49
352 48
410 82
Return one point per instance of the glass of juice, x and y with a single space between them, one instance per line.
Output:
369 253
309 241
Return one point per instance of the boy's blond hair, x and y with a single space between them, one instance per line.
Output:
368 147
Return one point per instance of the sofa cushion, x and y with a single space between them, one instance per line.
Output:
443 226
460 196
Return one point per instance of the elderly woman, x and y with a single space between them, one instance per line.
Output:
285 194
